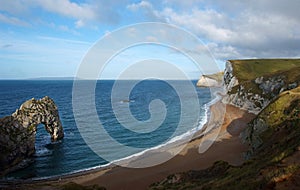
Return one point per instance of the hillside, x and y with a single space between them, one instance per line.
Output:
273 136
247 70
253 84
276 162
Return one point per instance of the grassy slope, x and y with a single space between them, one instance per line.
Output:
250 69
266 169
246 71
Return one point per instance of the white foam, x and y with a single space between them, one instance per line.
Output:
177 139
41 152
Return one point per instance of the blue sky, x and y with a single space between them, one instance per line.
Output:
43 38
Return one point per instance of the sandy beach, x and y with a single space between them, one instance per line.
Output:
226 147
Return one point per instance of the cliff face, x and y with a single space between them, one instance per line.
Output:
264 88
252 84
282 113
17 132
214 80
271 89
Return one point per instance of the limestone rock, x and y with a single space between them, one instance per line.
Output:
214 80
253 95
17 132
281 114
207 82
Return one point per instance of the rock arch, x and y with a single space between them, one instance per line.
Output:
18 131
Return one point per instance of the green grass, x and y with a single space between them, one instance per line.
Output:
217 76
265 167
284 107
280 140
246 71
251 69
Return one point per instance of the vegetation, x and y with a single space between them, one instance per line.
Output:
246 71
217 76
284 108
251 69
275 164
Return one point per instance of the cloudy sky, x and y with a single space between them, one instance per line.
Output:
50 37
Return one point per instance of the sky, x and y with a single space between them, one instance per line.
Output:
49 38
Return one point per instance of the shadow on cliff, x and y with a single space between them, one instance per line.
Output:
238 125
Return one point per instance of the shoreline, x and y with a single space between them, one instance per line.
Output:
227 147
171 144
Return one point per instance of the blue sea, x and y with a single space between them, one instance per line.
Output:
72 154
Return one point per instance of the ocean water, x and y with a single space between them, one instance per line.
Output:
72 154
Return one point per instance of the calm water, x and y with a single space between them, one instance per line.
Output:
72 154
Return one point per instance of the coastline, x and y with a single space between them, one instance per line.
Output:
226 147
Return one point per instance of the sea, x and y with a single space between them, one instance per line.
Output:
73 154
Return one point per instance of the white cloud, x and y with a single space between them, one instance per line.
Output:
81 12
230 28
205 23
67 8
79 24
151 39
12 20
181 3
141 5
235 29
16 7
148 9
63 40
84 14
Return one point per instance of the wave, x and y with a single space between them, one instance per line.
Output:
176 139
216 96
42 152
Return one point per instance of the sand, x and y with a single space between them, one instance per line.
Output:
227 147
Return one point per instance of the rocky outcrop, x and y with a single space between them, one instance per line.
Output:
273 139
254 95
214 80
281 114
270 88
18 131
206 82
240 96
260 87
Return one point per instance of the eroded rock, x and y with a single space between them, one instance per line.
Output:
213 80
18 131
253 95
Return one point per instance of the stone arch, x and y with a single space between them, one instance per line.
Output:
18 131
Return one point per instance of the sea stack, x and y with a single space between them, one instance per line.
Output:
18 131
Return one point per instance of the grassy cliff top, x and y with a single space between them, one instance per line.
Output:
216 76
251 69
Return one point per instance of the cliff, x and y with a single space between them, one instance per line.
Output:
213 80
263 87
271 89
253 84
18 131
273 138
282 112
